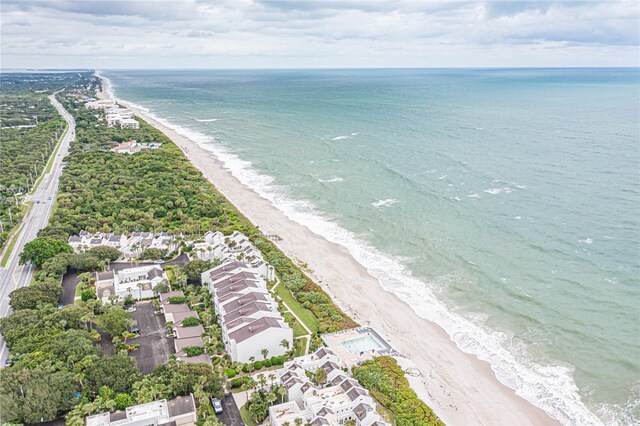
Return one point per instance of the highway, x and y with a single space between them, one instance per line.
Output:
14 275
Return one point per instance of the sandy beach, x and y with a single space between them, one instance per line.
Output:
461 389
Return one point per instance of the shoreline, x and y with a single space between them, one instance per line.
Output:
461 388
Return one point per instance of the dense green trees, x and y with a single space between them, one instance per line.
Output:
115 321
35 395
40 250
105 253
177 379
117 372
196 267
384 378
30 297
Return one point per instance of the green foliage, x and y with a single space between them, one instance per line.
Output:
30 297
123 400
177 379
257 365
191 322
117 372
88 294
230 373
177 300
84 262
56 266
40 250
239 382
195 268
387 383
193 350
153 254
115 321
105 253
35 395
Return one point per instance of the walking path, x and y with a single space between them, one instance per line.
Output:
307 336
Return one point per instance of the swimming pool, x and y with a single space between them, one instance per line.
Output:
363 343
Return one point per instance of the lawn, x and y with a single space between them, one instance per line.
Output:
305 315
298 329
246 416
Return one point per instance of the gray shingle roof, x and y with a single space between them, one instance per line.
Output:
253 329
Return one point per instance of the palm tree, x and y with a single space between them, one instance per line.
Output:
285 344
298 421
251 359
264 353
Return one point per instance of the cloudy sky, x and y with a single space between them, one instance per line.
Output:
317 33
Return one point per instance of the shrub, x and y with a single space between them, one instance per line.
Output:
88 294
386 381
237 383
245 368
230 373
267 363
193 350
191 322
257 365
176 300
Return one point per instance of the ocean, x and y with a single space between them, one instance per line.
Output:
504 204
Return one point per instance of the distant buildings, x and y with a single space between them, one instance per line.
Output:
340 399
114 115
179 411
132 245
135 282
132 147
248 315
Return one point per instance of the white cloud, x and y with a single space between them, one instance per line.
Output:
253 33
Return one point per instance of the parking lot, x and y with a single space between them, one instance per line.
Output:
155 347
230 415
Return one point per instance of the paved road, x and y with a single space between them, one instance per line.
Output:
14 275
155 347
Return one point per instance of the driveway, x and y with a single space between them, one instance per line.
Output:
181 260
69 282
230 415
155 348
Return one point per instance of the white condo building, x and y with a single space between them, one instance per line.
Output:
234 247
340 399
247 313
138 282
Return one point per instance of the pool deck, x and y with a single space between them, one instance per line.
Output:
334 342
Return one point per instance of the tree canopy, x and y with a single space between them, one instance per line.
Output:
42 249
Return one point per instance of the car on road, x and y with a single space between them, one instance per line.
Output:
158 261
217 405
131 309
49 198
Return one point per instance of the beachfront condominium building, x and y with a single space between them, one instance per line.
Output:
180 411
136 282
232 247
339 399
247 313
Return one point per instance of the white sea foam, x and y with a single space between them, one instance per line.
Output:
550 387
475 195
206 120
333 179
496 191
339 138
383 203
586 241
443 177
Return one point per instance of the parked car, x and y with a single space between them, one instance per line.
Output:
134 330
131 309
158 261
217 405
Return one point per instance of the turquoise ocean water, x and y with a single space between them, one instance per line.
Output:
502 204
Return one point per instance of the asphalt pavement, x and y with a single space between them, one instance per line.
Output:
230 415
13 275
